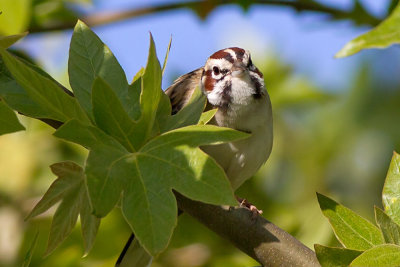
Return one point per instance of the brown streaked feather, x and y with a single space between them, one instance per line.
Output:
182 89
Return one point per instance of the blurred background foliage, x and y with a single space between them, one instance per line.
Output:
337 139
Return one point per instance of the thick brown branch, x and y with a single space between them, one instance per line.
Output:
203 7
257 237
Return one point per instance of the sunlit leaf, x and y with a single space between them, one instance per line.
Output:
70 189
9 122
383 35
43 91
145 180
149 97
391 189
9 40
166 55
352 230
89 57
335 257
15 16
383 255
389 229
207 116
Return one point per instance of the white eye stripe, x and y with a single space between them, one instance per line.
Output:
220 63
232 53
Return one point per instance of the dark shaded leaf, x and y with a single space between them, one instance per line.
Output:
335 257
9 122
389 229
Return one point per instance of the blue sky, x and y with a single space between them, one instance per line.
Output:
306 41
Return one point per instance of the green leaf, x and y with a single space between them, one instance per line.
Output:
134 91
85 135
90 58
207 116
391 189
353 231
104 191
7 41
189 114
29 253
389 229
383 35
89 224
383 255
16 97
145 180
70 189
163 113
149 97
43 91
335 257
110 116
166 55
8 120
15 16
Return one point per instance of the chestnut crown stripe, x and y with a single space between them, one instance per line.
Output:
224 54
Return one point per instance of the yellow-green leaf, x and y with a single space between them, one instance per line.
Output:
352 230
391 189
383 35
15 16
383 255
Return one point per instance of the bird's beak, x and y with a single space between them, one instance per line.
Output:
238 70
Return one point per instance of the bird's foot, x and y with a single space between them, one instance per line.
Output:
244 203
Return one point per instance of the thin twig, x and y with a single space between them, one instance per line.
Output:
204 7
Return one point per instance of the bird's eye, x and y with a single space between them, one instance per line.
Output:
216 70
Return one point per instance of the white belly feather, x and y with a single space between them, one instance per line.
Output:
243 158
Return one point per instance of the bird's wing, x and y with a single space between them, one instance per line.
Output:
182 89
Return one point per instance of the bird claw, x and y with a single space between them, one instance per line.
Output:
244 203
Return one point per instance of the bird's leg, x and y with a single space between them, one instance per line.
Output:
244 203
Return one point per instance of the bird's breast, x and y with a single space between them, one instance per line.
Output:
243 158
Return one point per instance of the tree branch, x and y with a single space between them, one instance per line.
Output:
257 237
358 14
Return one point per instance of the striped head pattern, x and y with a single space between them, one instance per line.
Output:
230 78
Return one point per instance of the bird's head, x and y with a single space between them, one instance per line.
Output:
230 78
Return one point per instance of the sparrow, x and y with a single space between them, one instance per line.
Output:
235 86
